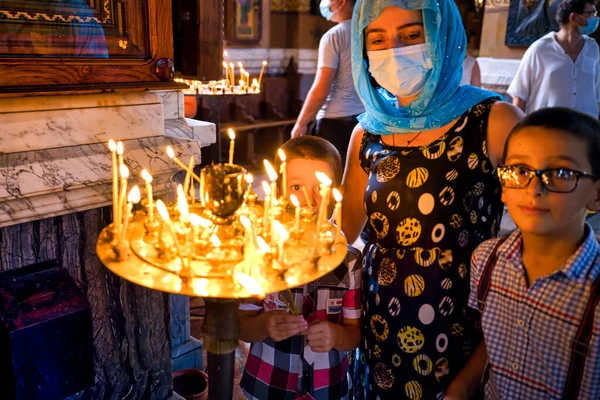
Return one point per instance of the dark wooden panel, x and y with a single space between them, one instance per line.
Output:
139 36
210 40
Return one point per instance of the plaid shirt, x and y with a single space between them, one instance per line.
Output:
529 331
289 369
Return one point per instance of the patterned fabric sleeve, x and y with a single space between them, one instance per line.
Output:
352 299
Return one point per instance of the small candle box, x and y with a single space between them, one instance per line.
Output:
46 348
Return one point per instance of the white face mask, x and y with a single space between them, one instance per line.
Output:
401 70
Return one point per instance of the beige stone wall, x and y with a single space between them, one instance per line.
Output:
493 32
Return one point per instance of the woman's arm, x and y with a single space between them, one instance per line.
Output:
476 75
315 99
502 120
466 383
354 184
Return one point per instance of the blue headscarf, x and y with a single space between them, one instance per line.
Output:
442 99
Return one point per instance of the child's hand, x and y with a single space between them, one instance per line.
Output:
282 325
322 336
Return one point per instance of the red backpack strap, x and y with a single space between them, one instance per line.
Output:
581 343
485 281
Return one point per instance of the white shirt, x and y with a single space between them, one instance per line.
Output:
335 52
548 77
468 64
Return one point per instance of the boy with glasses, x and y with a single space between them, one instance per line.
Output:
538 290
562 69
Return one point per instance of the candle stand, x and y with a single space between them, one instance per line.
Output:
223 245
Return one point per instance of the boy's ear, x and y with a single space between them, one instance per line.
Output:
594 203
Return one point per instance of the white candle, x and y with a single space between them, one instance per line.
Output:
231 134
325 190
232 74
164 214
306 197
171 155
247 78
202 199
267 206
124 176
249 181
148 179
132 198
264 64
296 204
337 212
283 172
226 71
283 236
188 177
272 177
184 208
115 181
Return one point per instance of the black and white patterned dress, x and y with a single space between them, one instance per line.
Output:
428 208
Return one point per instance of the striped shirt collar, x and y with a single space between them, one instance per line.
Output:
578 265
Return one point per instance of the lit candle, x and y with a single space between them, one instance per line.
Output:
115 181
267 205
232 74
164 214
249 181
337 212
296 204
132 198
264 64
148 178
283 236
226 70
202 199
241 67
124 176
306 197
255 85
283 172
188 177
184 208
249 242
120 151
325 190
231 134
272 177
171 155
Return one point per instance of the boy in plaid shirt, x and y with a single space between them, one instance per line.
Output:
539 288
305 356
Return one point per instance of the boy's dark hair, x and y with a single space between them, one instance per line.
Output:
566 7
314 148
571 122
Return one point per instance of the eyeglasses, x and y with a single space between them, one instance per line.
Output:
558 180
590 14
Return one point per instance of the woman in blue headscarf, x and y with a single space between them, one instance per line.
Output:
421 165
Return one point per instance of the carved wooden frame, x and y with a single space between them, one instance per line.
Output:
39 73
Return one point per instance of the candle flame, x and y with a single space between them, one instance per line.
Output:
264 63
112 145
197 220
249 179
250 284
270 171
262 245
184 209
225 53
231 134
337 195
240 65
255 81
224 64
162 210
246 222
281 155
214 239
266 188
323 178
294 200
275 202
170 152
231 65
281 231
124 171
146 176
134 195
120 149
